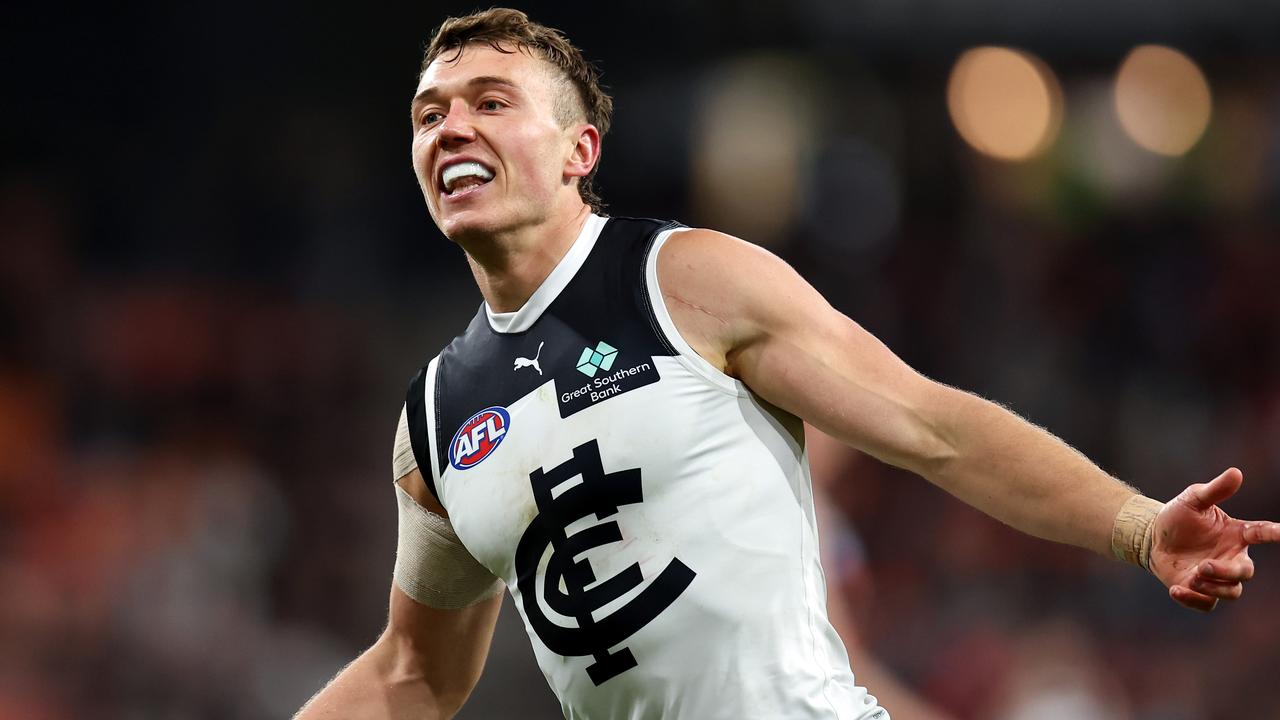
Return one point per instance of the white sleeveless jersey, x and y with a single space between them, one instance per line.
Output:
651 517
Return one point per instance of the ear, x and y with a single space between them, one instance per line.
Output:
586 152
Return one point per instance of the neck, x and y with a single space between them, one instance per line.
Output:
510 266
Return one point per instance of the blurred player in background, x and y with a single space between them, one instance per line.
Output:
617 437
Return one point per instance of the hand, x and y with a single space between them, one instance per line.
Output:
1198 551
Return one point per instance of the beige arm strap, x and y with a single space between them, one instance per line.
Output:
402 460
432 565
1133 530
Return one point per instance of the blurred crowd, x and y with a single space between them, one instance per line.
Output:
218 277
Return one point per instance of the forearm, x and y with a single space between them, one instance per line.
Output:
1020 474
802 356
379 685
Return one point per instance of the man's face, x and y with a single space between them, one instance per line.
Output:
488 149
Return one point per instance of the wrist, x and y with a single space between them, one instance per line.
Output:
1133 530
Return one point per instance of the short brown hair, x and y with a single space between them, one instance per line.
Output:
502 28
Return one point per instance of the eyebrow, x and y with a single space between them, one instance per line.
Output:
433 92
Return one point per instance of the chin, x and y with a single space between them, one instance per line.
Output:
472 222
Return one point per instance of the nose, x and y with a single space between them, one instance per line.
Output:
456 128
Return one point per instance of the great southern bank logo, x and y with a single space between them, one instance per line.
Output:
599 359
478 437
610 374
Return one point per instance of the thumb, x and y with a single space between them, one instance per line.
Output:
1202 496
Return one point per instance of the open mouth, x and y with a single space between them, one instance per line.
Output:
462 176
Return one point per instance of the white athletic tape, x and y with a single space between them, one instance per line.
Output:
432 565
1133 530
402 460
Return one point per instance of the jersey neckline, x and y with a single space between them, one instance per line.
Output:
521 320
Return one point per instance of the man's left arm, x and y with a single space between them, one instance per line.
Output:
751 315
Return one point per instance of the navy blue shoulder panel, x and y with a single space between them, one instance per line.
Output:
607 302
609 294
416 414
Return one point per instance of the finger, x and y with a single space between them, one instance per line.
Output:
1225 570
1203 496
1187 597
1222 591
1261 532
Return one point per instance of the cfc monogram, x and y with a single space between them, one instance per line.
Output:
566 579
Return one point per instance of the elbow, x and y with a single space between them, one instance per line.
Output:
935 454
917 444
450 698
937 447
407 673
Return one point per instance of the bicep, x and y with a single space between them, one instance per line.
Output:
444 604
436 630
825 368
446 649
441 632
748 312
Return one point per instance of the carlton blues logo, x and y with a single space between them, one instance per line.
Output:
564 584
478 437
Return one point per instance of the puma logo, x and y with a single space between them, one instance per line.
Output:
533 363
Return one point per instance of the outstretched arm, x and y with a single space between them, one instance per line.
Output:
750 314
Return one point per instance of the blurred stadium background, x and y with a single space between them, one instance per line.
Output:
218 274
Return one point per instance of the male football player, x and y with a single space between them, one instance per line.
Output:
642 491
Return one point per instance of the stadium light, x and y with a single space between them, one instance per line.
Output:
1162 99
755 124
1005 103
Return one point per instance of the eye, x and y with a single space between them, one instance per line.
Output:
491 105
431 117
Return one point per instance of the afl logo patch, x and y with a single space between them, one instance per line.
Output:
478 437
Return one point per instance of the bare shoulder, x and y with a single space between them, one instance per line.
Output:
723 292
699 259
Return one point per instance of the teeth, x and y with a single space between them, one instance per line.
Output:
454 173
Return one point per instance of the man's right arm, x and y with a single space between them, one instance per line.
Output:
426 662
